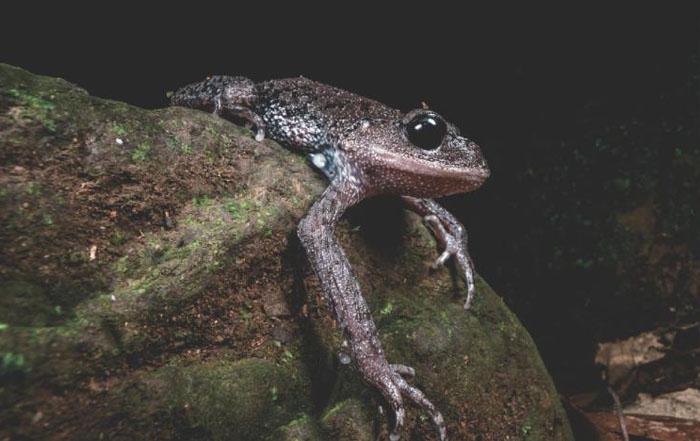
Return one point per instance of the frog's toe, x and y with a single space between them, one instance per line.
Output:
466 265
378 373
418 397
454 244
403 370
447 241
392 393
259 134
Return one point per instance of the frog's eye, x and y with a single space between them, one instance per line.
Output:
426 131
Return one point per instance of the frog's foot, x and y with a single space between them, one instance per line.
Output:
419 399
244 113
403 370
451 236
388 379
454 244
384 378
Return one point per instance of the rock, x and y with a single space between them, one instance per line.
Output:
661 428
300 429
140 249
683 404
233 400
349 420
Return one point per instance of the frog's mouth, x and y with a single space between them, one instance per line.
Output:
473 176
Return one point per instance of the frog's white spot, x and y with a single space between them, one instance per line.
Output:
344 358
113 298
365 124
318 160
119 141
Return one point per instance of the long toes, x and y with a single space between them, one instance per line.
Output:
385 382
440 261
468 268
470 299
418 397
406 371
438 229
399 417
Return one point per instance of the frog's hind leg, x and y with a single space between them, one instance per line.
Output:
451 236
342 293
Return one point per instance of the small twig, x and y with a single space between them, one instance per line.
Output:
618 411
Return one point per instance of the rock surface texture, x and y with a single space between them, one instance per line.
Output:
152 287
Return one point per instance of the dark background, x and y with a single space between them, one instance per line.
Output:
580 113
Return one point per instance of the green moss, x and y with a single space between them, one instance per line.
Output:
33 189
241 400
201 201
36 107
172 143
117 238
121 265
238 208
140 153
119 130
11 363
386 309
302 428
348 420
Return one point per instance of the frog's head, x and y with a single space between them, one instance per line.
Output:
418 154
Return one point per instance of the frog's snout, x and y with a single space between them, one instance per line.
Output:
480 164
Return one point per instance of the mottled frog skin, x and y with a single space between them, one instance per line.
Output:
365 149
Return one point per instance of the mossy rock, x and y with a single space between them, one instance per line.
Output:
152 278
302 428
240 400
349 420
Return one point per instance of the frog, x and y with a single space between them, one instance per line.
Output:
364 149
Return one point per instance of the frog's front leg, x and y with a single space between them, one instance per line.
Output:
342 292
242 112
451 236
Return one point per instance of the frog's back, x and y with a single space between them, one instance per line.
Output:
307 114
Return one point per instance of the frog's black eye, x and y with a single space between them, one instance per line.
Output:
426 131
